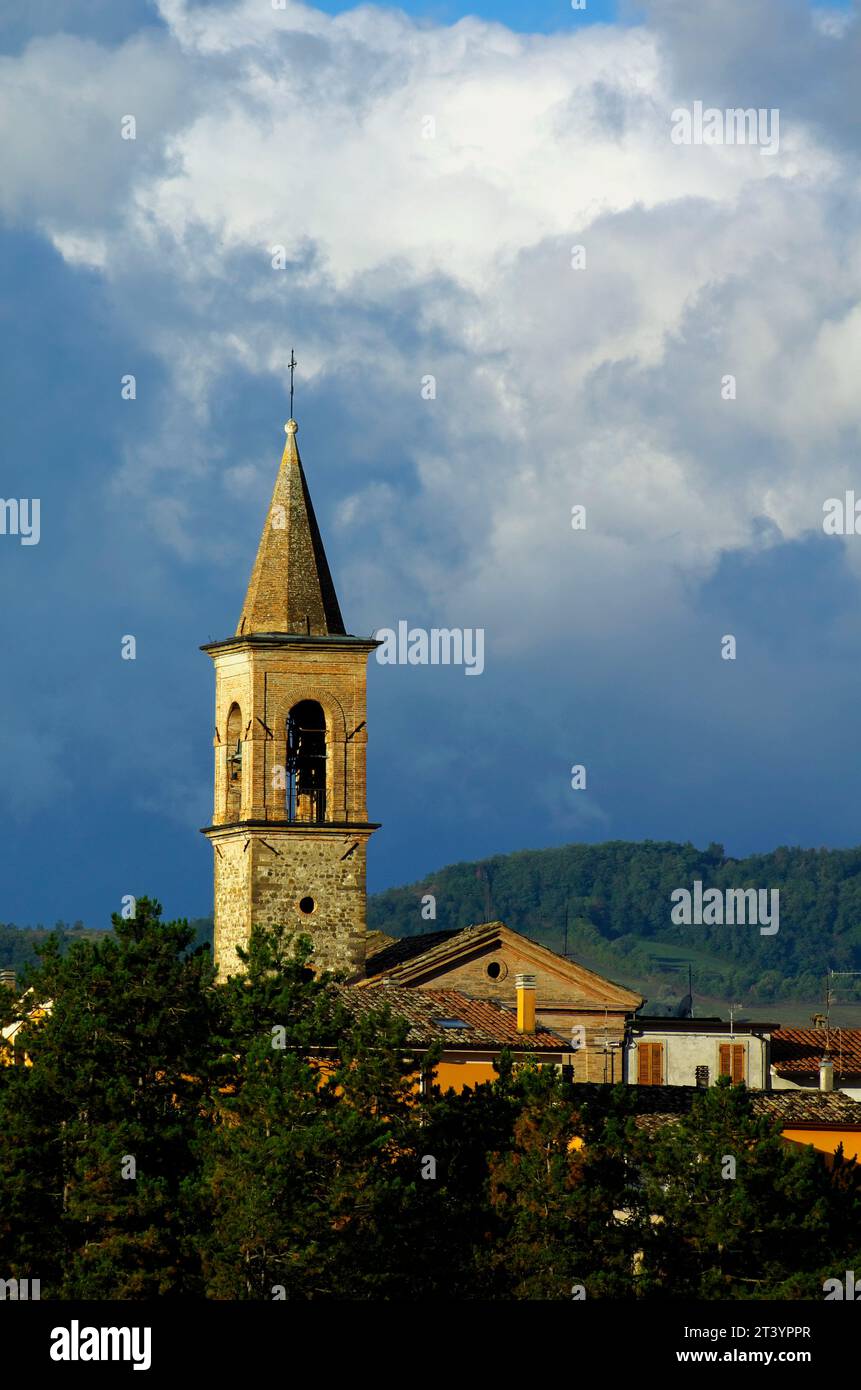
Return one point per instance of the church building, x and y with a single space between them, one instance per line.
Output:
290 824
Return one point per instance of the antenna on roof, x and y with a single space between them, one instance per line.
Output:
685 1007
482 872
829 998
607 1047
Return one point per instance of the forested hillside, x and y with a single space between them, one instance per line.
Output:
617 897
18 944
618 902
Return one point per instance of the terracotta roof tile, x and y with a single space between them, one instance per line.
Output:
489 1025
656 1106
797 1051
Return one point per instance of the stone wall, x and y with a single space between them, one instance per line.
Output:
265 883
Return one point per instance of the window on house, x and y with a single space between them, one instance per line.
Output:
732 1061
650 1064
702 1076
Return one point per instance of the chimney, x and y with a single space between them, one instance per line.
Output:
7 979
525 987
826 1073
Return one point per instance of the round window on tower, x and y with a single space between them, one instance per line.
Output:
307 905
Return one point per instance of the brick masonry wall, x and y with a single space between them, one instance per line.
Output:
261 686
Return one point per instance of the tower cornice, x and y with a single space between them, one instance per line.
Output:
330 829
298 642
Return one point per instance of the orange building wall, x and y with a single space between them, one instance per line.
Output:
827 1140
456 1076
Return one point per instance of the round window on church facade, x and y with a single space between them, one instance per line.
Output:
497 970
307 905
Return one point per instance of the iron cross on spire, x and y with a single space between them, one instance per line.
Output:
292 364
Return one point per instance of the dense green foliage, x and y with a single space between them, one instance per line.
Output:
618 900
164 1136
120 1071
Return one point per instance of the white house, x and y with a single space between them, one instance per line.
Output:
696 1051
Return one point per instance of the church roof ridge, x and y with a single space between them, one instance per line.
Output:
411 956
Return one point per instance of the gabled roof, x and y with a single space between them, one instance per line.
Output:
382 960
376 941
417 959
798 1051
291 588
490 1026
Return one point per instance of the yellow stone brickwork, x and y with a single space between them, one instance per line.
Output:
261 683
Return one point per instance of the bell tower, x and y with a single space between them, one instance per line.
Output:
289 829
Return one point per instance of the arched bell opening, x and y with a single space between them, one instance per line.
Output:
233 796
306 763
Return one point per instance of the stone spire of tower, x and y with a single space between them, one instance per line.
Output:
291 588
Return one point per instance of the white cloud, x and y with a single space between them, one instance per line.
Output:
451 256
90 251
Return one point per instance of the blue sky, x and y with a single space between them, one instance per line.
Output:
112 21
450 257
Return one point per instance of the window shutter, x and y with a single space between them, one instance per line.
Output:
732 1061
650 1064
738 1063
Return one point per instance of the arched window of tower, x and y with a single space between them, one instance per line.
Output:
306 763
233 794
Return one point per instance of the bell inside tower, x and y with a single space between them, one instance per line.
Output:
306 763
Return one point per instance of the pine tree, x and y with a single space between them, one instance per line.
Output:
564 1196
99 1175
456 1226
736 1212
313 1164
